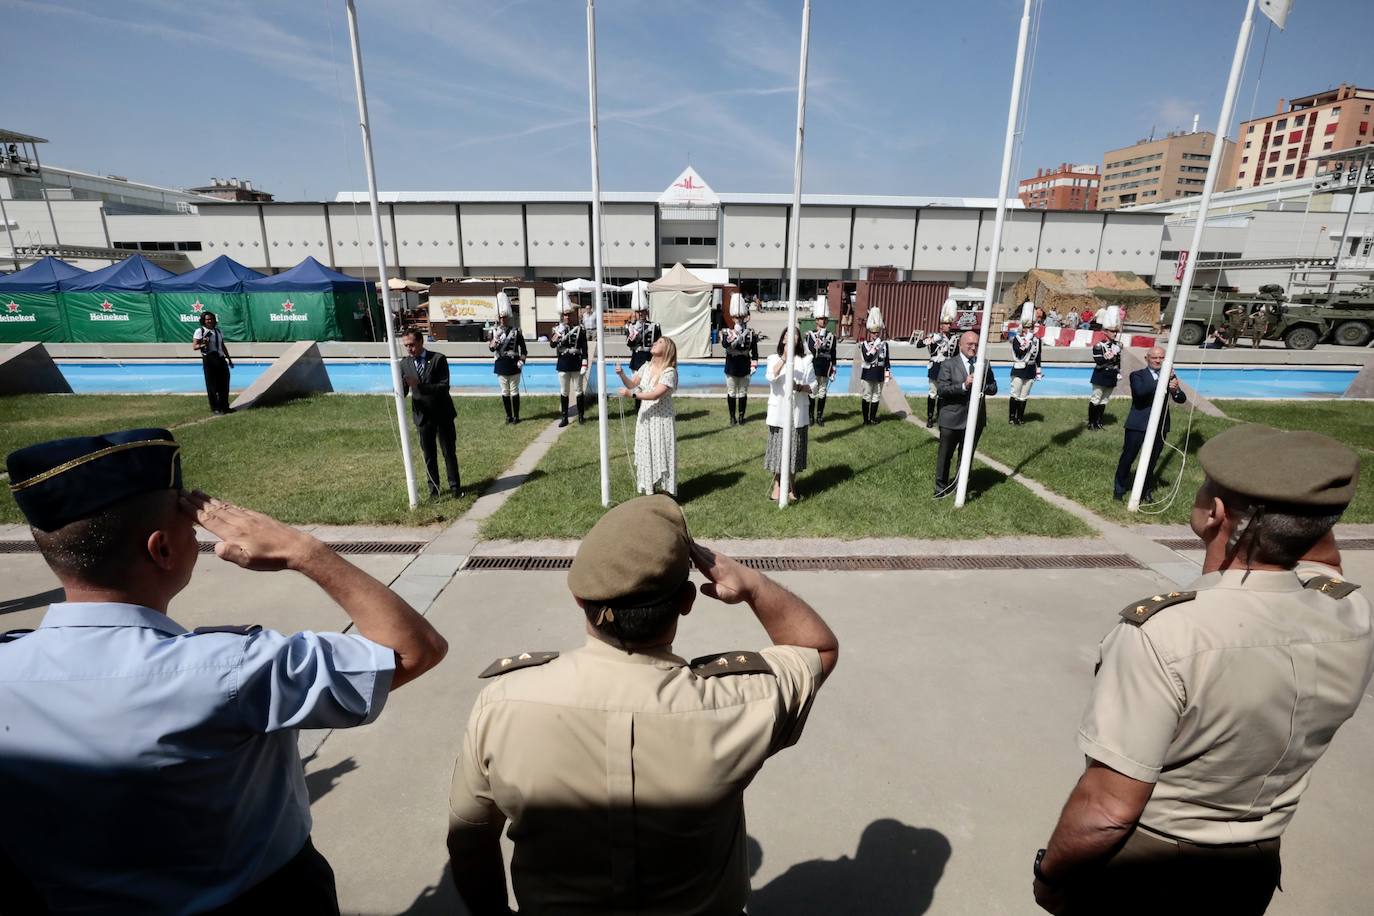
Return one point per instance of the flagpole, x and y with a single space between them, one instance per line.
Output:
975 396
789 421
1186 284
601 424
378 240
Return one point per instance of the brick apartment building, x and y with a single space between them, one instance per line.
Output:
1275 148
1068 187
1153 171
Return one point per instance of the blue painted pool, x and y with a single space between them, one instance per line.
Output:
372 376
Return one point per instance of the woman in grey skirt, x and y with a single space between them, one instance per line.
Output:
803 382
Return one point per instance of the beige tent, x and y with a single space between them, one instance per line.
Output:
680 302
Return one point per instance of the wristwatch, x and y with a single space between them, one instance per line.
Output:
1040 875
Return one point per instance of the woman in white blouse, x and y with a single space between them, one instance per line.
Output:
803 382
655 426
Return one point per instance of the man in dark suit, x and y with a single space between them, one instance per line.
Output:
954 385
1143 385
426 378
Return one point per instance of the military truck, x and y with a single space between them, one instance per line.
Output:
1301 322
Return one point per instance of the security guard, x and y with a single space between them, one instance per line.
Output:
1212 705
620 766
875 366
508 344
148 769
569 341
1106 373
820 343
741 359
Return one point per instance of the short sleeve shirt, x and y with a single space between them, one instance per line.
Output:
148 769
622 775
212 340
1226 702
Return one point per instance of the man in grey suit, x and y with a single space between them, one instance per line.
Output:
426 378
954 385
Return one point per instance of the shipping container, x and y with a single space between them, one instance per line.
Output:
907 305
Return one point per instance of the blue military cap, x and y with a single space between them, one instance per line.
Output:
56 483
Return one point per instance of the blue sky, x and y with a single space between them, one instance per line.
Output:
904 97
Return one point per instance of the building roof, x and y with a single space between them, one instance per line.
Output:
14 136
651 197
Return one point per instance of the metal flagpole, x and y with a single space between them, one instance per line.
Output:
789 421
601 424
975 396
1228 105
378 240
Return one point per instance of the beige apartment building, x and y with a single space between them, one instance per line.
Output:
1276 148
1153 171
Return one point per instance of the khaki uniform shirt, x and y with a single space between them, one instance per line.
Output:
1225 702
622 775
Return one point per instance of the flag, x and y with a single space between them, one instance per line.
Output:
1276 10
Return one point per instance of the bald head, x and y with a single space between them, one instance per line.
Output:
968 344
1155 358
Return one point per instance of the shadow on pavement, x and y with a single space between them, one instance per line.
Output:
894 871
319 783
10 605
440 897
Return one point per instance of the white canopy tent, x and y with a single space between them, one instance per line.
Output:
680 302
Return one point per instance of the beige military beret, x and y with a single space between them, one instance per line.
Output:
1273 466
636 555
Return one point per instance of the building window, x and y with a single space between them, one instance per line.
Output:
1292 153
1331 128
1243 160
1364 127
1281 124
1251 130
1288 169
1295 136
1269 173
1299 119
1326 145
1274 156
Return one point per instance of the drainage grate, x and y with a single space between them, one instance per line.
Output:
354 547
844 564
1196 544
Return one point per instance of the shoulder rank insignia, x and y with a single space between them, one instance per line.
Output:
1140 611
730 663
1331 585
12 635
514 662
244 630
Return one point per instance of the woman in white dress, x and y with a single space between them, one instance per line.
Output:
655 427
804 384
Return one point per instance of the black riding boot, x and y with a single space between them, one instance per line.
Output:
563 403
1011 411
1021 412
1092 415
581 409
820 412
930 412
515 407
505 402
869 411
743 400
734 419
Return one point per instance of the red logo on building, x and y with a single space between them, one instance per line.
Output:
687 184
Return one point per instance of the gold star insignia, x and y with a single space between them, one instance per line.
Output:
1157 598
505 662
1140 610
722 662
524 656
741 659
1174 594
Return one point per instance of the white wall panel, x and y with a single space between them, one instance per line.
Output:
627 235
493 236
235 230
295 232
159 227
78 223
883 236
1069 241
824 238
754 236
559 235
354 246
945 239
1131 242
428 235
1020 240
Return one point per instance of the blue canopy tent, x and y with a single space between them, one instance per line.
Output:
312 302
215 287
114 304
29 308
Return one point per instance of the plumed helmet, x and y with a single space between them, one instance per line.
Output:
503 306
1112 320
875 319
949 311
739 306
821 309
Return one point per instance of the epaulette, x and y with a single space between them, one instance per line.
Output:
244 630
12 635
1331 585
730 663
1138 612
514 662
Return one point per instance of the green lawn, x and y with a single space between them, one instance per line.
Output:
1352 422
862 482
330 459
1056 449
29 418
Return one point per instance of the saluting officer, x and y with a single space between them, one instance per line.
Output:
620 766
148 769
820 343
875 366
741 359
1106 373
1212 705
508 343
941 344
1025 372
569 341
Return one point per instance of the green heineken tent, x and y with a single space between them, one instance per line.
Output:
29 309
312 302
216 287
114 304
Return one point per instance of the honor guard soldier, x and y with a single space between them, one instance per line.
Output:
620 766
1106 373
1025 372
569 341
509 346
1212 705
941 345
640 335
148 769
875 366
820 343
741 359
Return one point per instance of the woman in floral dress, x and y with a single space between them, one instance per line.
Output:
655 426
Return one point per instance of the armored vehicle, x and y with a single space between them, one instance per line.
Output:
1301 322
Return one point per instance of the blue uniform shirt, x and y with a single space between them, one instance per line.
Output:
151 770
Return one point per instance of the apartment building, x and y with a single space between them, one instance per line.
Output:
1151 171
1276 148
1068 187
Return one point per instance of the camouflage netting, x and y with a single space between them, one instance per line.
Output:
1076 290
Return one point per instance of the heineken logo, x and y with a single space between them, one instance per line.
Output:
12 314
288 313
107 313
197 306
106 306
